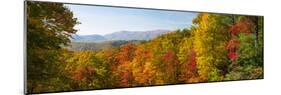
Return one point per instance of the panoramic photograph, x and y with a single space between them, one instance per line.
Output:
76 47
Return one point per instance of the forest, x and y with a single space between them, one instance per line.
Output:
217 47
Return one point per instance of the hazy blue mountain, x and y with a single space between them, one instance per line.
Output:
135 35
122 35
88 38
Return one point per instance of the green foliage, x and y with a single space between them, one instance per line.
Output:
249 50
248 53
49 27
245 72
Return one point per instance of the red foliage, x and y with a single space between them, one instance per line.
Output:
125 75
83 72
232 47
192 64
189 68
233 30
147 54
168 57
77 75
232 55
232 44
124 79
170 61
170 69
175 62
126 53
243 26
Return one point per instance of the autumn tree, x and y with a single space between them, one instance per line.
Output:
187 58
246 48
165 58
49 26
210 38
142 67
124 57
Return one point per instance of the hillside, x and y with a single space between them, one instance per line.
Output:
80 46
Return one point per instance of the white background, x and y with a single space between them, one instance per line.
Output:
11 49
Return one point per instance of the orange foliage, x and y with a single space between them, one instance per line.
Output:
126 53
243 26
83 73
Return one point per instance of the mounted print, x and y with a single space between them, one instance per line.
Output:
77 47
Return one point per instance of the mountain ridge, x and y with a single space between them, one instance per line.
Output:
120 35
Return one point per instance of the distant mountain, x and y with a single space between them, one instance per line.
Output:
122 35
135 35
88 38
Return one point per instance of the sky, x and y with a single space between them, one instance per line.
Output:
105 20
